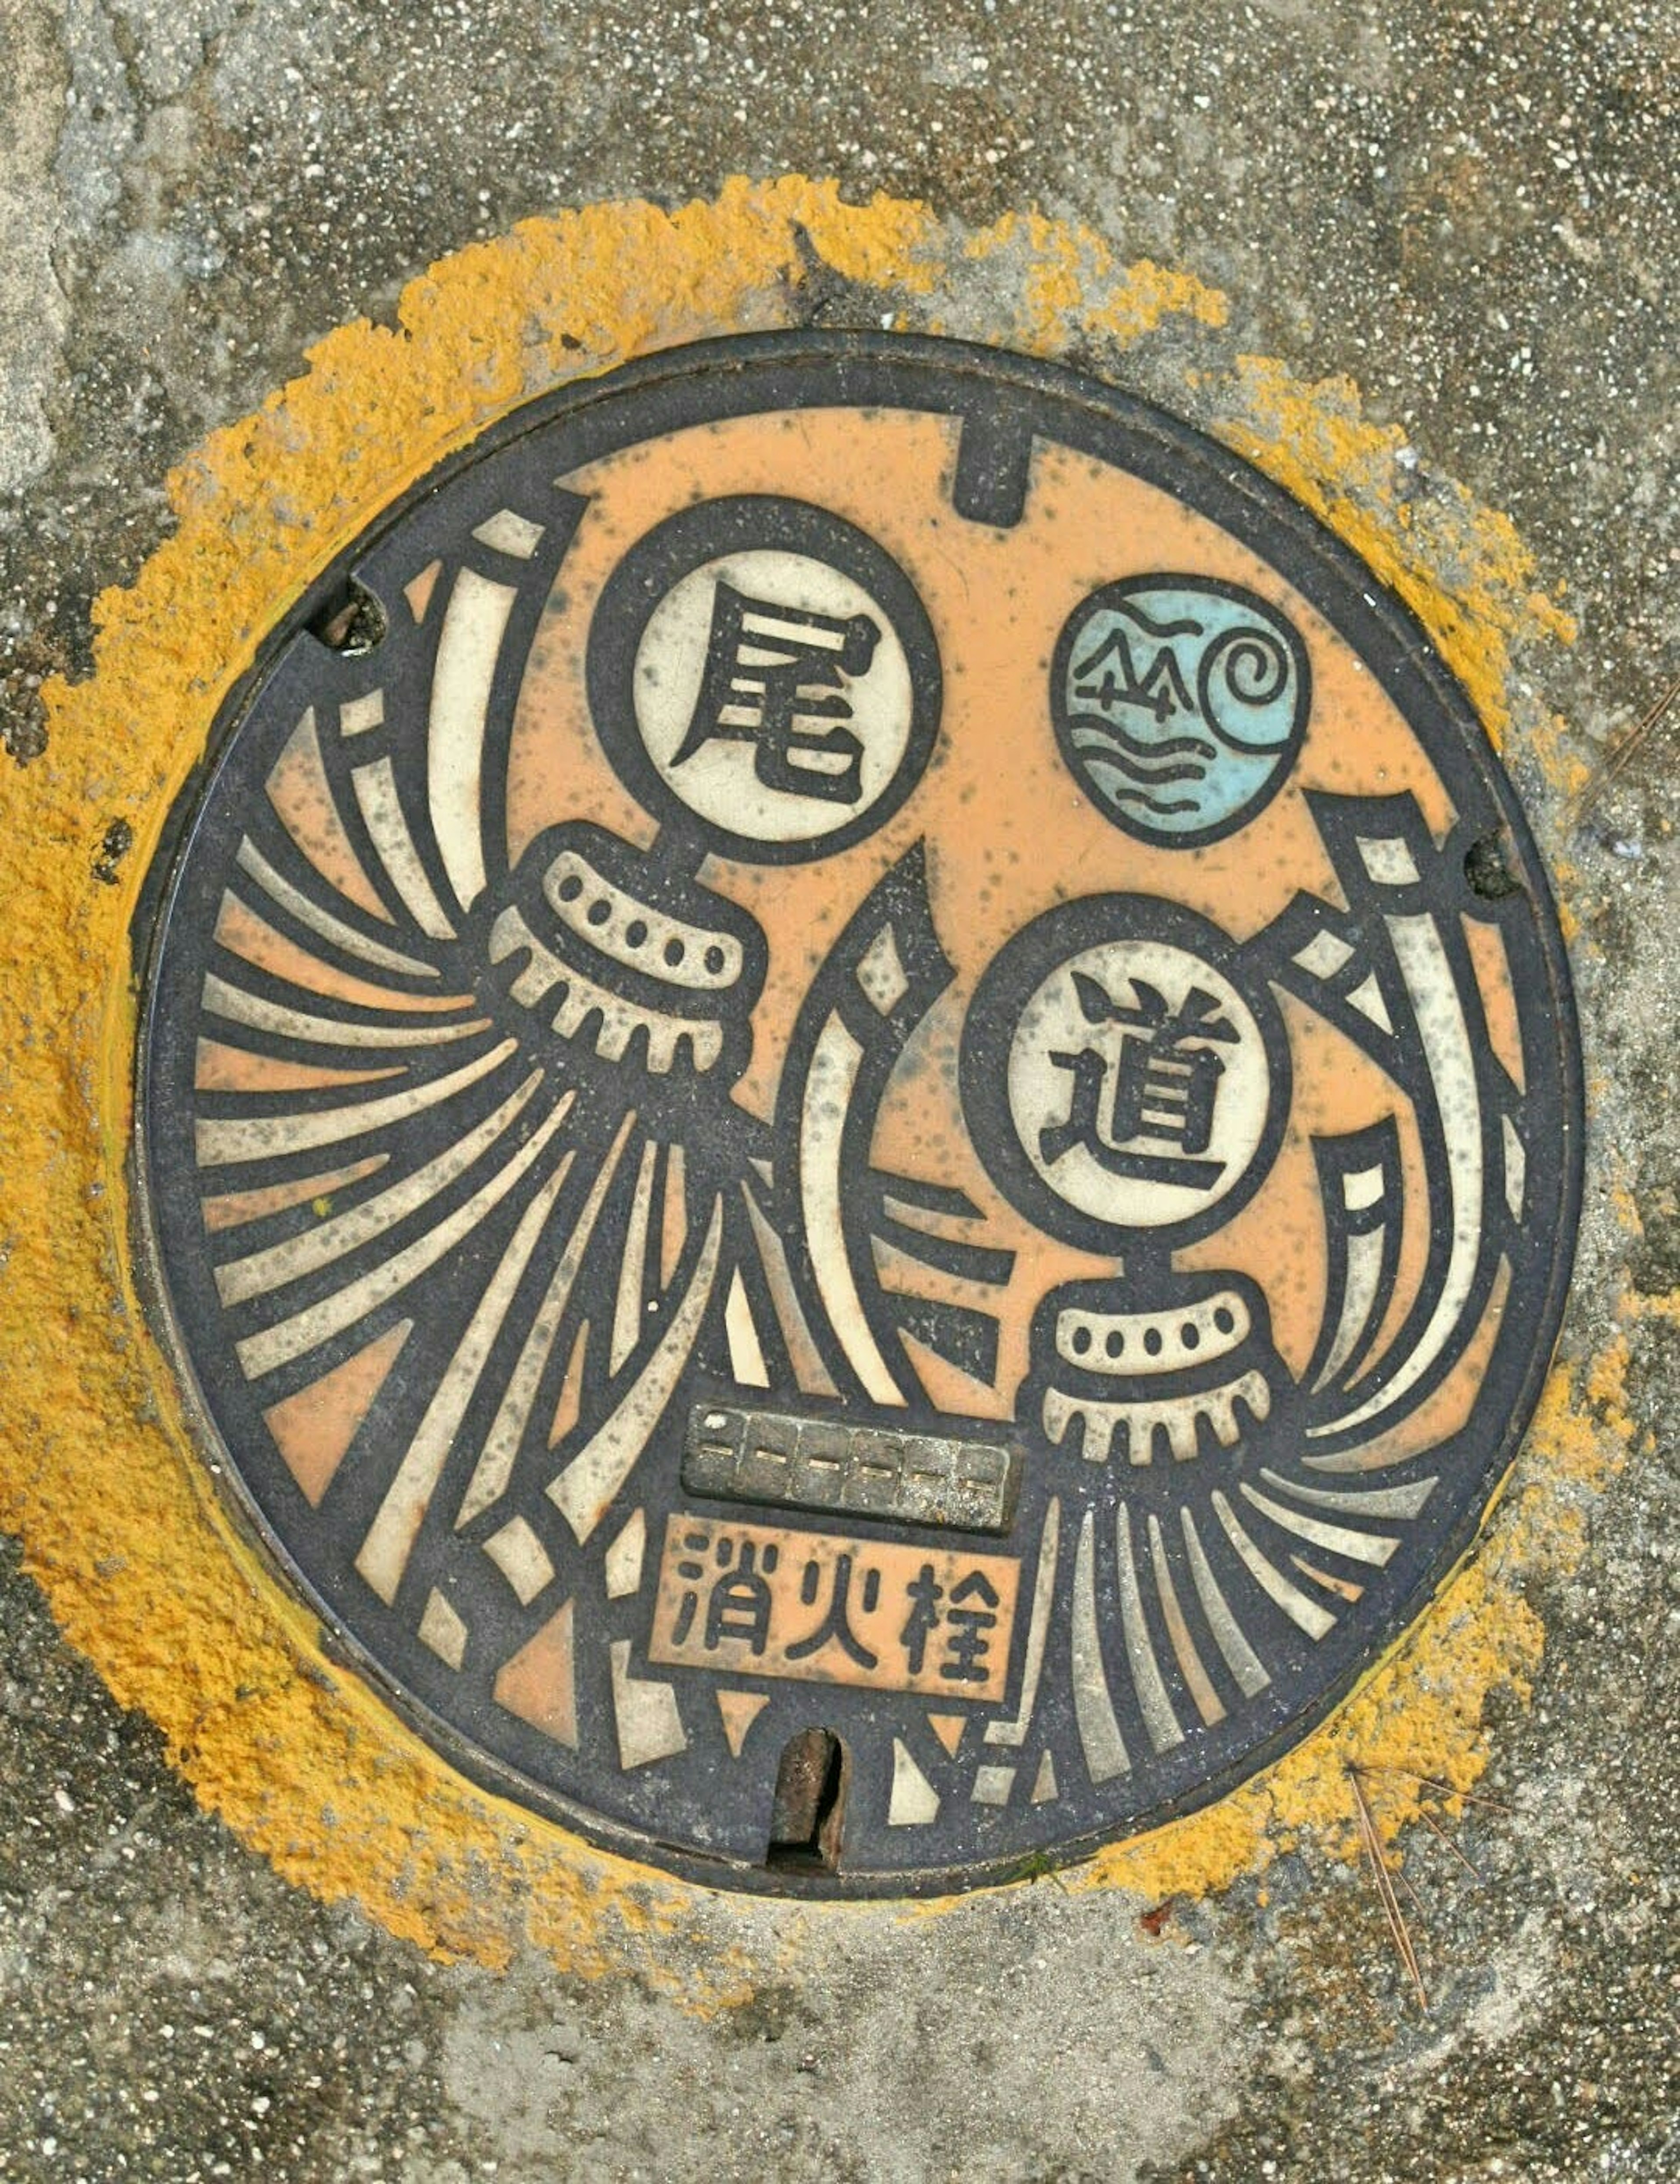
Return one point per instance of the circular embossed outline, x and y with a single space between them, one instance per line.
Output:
1125 587
739 524
1008 984
713 379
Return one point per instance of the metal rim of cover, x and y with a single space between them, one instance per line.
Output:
672 1084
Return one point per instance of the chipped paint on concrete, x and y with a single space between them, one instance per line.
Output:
1067 283
144 1568
1460 567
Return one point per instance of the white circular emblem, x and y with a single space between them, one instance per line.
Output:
773 695
1138 1083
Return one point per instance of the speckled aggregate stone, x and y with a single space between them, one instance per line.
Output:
1471 212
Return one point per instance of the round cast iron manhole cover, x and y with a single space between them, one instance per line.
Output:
835 1123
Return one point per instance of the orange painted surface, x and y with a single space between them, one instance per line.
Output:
298 792
219 1068
313 1429
245 934
1498 998
538 1684
1011 832
232 1209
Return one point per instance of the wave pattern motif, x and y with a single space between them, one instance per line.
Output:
1180 704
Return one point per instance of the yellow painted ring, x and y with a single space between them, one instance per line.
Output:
98 1473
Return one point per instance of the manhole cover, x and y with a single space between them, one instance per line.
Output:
858 1112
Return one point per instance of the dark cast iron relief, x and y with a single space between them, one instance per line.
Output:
778 1117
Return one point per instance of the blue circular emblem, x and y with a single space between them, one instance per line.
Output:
1180 703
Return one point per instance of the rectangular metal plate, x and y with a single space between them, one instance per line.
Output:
864 1469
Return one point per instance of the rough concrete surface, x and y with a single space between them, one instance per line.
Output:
1469 212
